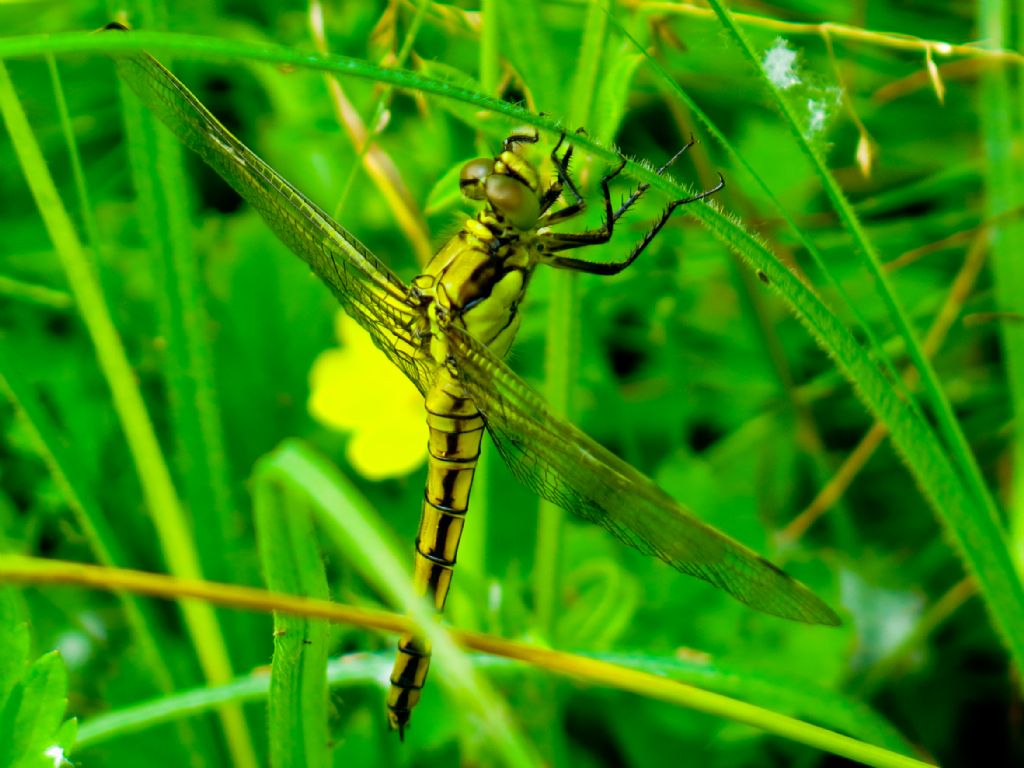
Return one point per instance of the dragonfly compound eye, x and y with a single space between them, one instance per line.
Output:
513 200
473 175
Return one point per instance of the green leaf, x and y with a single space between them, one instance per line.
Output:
31 720
14 640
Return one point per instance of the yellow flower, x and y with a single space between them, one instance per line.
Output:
354 388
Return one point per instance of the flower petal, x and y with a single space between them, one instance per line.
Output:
378 455
356 389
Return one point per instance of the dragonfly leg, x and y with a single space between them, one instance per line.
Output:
613 268
561 164
563 179
523 135
610 217
566 241
644 187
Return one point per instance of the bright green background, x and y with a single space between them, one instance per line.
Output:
688 367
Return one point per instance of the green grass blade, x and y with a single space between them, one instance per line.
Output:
297 707
158 176
66 474
526 44
824 707
160 182
490 41
365 669
161 497
1001 100
220 49
562 342
357 670
41 295
758 178
980 539
973 519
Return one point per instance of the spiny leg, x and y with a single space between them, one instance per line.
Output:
613 268
554 189
602 235
644 187
567 240
562 179
524 135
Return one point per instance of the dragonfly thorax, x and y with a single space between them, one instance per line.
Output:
477 280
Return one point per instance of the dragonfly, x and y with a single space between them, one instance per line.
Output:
448 331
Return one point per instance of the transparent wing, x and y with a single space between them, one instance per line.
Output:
562 464
370 292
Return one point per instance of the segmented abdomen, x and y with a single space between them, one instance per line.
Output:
456 429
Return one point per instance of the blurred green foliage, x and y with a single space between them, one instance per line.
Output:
687 366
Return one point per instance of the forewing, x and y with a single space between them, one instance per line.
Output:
562 464
370 292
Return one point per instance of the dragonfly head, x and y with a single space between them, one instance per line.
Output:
508 184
